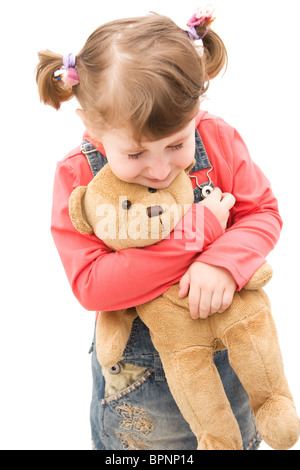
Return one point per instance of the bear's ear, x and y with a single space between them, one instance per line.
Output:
77 213
188 169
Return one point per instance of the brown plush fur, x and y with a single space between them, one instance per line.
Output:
186 346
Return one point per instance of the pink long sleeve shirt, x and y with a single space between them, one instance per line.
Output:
102 279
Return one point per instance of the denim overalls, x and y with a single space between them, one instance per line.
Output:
132 407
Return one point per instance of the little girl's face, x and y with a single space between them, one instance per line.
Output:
153 164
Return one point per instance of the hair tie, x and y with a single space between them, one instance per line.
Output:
203 16
68 73
192 33
69 61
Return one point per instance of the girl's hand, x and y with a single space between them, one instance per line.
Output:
211 289
220 204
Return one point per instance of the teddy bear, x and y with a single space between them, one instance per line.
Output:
136 216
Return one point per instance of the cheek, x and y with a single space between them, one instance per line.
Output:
185 158
124 169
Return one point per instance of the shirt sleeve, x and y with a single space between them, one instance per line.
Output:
102 279
255 223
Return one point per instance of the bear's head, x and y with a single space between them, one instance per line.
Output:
126 215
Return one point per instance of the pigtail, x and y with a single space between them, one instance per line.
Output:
215 54
51 90
212 49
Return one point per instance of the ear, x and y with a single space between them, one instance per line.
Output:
188 169
77 213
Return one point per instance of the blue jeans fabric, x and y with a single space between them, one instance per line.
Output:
144 415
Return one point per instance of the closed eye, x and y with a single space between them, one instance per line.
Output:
134 156
176 147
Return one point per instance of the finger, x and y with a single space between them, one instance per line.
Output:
184 285
205 304
228 199
226 301
194 299
216 302
216 194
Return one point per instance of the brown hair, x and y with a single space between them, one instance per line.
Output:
144 73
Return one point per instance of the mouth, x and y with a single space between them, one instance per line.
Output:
159 184
158 180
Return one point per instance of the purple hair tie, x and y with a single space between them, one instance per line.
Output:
69 61
193 34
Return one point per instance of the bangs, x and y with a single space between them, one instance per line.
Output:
147 105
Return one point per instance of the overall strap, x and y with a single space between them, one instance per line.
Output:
202 163
201 157
95 158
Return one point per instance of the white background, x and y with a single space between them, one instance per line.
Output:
44 333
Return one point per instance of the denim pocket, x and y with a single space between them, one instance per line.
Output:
122 379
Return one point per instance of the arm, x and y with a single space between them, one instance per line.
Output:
105 280
255 223
254 228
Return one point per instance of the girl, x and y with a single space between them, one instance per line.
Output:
139 82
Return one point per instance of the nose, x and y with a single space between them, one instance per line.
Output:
160 169
153 211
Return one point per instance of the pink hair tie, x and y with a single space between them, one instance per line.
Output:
71 77
202 15
68 74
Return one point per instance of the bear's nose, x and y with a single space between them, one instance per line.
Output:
153 211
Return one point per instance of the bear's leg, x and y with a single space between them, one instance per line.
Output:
254 354
196 386
112 333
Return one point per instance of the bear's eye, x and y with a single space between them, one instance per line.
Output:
152 190
126 204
